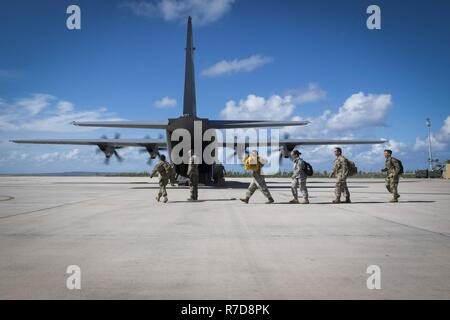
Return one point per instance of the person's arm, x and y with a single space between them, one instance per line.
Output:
333 171
295 170
155 169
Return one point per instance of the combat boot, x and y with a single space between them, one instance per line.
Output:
305 201
347 200
394 200
244 199
158 197
165 199
337 200
295 200
270 200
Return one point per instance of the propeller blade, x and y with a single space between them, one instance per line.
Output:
119 158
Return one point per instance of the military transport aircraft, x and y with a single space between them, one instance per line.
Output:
186 121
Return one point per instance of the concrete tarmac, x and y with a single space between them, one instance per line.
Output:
128 246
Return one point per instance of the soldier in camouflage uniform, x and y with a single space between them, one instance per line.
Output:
192 174
299 175
392 167
340 172
163 169
258 182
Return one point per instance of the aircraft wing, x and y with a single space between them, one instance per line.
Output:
161 143
124 124
235 124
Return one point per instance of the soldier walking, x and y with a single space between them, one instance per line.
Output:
192 174
299 175
255 163
340 172
163 168
394 168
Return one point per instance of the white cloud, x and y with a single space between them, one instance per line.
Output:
27 114
237 65
361 110
166 102
65 106
275 107
202 11
36 103
312 93
254 108
72 155
375 154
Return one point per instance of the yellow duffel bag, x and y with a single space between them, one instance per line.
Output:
251 163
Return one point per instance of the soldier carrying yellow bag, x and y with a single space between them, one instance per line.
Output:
254 164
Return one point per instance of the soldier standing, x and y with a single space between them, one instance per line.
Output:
393 168
299 175
340 172
163 169
192 174
256 163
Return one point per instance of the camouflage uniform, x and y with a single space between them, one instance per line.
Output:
193 177
163 168
340 171
173 175
392 167
299 175
258 182
219 174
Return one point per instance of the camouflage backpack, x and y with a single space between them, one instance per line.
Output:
308 169
352 169
400 164
169 169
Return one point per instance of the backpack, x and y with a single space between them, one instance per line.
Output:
352 169
165 170
400 164
308 169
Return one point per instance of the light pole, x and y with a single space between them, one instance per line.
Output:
430 156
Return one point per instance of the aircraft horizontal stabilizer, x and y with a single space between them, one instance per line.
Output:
236 124
124 124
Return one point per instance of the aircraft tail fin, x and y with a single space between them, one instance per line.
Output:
189 101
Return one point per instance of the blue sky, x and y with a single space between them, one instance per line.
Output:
311 60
